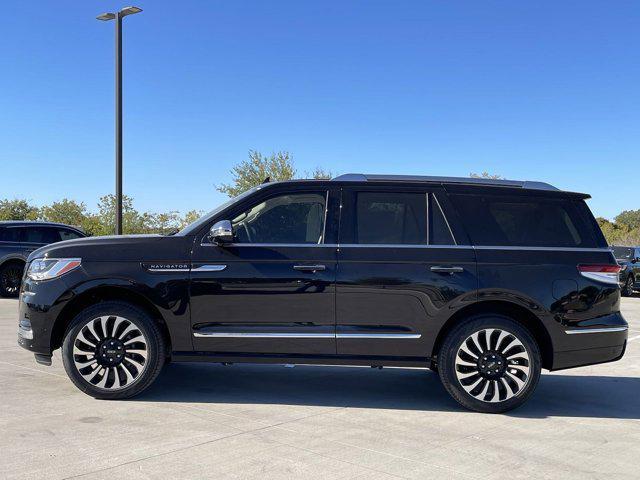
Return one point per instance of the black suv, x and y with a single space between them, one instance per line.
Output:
629 260
484 281
17 240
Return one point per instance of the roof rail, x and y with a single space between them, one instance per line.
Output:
359 177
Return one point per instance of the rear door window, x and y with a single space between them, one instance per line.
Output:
41 235
502 220
10 234
390 218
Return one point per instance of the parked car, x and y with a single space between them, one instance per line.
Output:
17 240
485 281
629 260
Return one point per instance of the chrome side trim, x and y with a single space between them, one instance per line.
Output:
420 245
261 335
595 330
273 245
209 268
397 336
305 335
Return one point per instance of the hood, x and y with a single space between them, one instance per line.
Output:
122 248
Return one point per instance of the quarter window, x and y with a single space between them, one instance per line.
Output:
292 218
522 221
68 234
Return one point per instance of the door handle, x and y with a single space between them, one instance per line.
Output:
450 270
309 268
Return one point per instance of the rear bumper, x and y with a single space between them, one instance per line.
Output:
595 341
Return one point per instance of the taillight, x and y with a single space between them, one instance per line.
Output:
601 273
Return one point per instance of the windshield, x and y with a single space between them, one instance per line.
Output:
193 228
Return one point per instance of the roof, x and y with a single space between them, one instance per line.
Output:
359 177
4 223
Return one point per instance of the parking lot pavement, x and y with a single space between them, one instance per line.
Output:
243 421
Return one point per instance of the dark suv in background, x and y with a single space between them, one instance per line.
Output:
484 281
17 240
629 260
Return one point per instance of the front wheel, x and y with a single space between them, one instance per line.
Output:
10 278
489 364
113 350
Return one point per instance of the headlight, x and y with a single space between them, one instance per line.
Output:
48 268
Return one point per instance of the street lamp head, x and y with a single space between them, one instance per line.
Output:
129 11
106 16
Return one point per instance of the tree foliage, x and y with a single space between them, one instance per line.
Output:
258 167
18 210
488 175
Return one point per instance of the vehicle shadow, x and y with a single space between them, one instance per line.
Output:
559 395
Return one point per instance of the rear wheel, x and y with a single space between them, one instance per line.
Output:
113 350
10 278
627 290
489 364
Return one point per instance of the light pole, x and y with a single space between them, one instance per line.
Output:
118 16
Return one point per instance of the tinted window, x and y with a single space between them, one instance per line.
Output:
68 234
523 221
41 235
623 253
439 231
294 218
9 234
390 218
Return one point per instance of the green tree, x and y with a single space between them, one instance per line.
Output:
630 218
132 220
18 210
253 171
486 175
65 211
190 217
320 173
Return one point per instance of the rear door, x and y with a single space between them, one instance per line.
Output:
271 291
403 268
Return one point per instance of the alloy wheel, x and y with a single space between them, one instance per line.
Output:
492 365
110 352
10 280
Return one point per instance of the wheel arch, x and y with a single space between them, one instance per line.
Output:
516 312
98 294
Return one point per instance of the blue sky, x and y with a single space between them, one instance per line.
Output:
530 90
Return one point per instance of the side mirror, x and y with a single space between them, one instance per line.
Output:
221 232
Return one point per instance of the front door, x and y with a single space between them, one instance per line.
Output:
401 273
272 290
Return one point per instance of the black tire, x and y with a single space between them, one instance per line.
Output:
129 366
627 291
10 278
506 351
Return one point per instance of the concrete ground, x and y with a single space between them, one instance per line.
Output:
246 422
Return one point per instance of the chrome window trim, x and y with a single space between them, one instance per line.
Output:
558 249
596 330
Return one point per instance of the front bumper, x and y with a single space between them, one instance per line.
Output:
40 305
599 340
